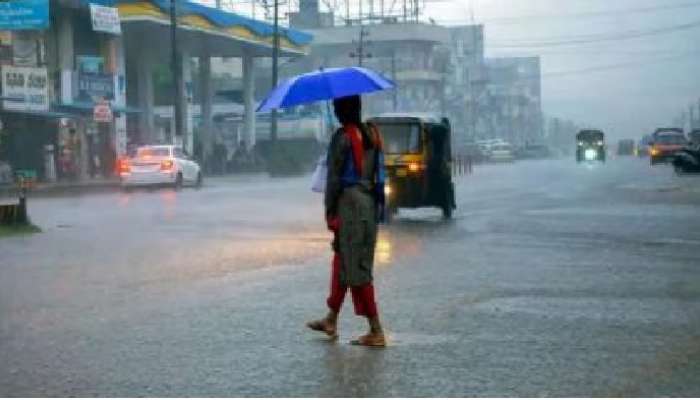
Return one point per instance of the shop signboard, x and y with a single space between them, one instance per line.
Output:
25 88
90 64
105 19
24 14
28 48
95 86
102 112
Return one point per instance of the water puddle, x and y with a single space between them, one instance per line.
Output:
419 339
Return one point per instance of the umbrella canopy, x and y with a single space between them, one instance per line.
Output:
324 84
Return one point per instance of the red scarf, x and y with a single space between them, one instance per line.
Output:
352 132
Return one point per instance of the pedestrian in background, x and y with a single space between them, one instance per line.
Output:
354 180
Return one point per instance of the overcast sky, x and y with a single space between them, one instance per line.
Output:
624 86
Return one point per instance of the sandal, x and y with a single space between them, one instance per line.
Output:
370 340
322 326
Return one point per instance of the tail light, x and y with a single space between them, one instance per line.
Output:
124 167
167 165
415 167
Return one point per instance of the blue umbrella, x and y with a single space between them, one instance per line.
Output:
324 84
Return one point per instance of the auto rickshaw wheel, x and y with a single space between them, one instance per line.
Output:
450 203
447 211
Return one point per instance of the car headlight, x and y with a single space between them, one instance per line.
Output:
600 143
580 143
387 189
590 154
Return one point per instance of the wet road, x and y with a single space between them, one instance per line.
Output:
553 280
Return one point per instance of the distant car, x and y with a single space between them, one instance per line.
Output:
502 152
472 151
485 150
665 142
694 137
625 147
160 165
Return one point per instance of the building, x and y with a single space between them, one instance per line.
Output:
405 52
512 104
58 72
437 69
466 80
204 34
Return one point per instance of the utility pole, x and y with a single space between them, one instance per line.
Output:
395 94
359 17
275 66
360 54
176 69
473 61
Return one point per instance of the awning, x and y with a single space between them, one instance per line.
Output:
213 21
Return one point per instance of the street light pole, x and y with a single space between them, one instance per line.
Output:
176 69
361 55
275 66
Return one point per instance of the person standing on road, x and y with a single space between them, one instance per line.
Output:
352 202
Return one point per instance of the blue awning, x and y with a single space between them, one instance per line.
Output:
220 18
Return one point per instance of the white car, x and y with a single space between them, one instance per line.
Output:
502 152
160 165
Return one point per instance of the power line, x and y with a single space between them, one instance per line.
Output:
601 68
588 53
595 14
598 38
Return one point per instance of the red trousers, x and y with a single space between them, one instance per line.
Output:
362 296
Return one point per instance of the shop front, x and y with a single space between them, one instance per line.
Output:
88 141
29 125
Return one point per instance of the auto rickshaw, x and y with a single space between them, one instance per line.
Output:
590 146
418 158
